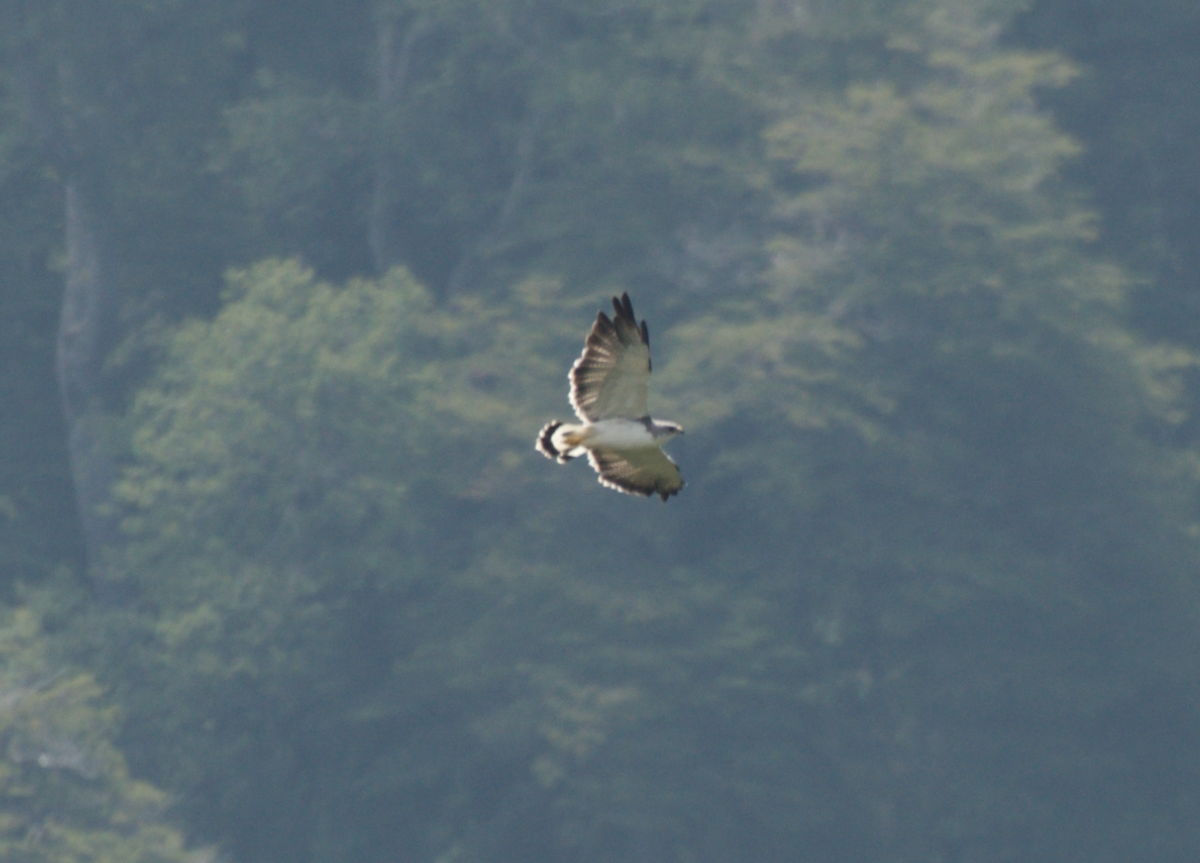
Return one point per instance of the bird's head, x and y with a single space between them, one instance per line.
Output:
664 431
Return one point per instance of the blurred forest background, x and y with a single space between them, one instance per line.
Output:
287 289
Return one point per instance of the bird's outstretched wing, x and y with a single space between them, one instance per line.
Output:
609 379
644 471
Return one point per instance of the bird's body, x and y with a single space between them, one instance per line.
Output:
608 391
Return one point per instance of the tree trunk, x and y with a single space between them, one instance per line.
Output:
469 264
393 58
87 310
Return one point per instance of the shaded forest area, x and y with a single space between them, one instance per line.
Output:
288 289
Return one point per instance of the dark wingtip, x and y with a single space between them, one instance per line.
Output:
666 495
624 308
603 328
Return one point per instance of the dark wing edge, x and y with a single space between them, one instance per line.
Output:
626 323
645 471
602 352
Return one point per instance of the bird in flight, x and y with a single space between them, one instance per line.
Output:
608 393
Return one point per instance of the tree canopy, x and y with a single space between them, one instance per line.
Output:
928 595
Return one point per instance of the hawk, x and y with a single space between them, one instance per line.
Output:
608 393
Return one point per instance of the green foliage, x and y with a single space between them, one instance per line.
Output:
66 795
1135 116
939 352
119 96
294 157
358 576
124 96
573 138
931 578
946 186
299 461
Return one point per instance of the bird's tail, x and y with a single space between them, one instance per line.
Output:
545 443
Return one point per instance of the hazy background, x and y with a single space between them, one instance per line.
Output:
288 288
